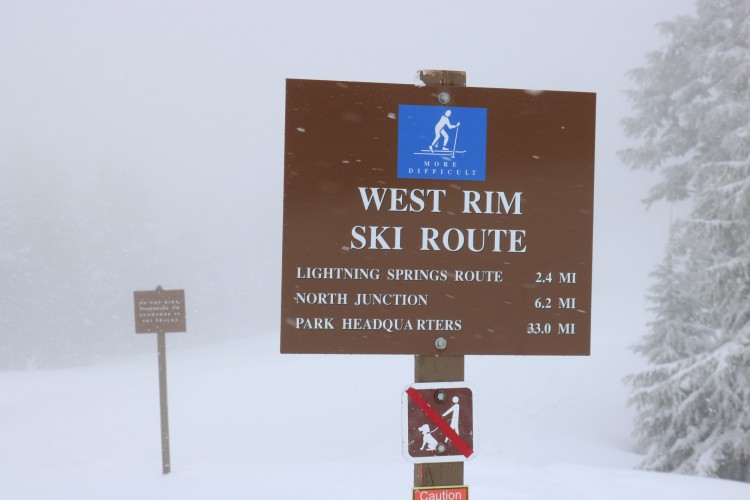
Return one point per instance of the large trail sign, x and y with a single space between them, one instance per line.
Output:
415 227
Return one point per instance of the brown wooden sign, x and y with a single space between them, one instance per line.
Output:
431 220
159 311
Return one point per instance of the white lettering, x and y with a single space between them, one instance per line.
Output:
358 234
401 199
495 202
454 239
313 323
321 298
390 299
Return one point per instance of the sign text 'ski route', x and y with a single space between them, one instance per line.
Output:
412 227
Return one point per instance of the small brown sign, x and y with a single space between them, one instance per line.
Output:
159 311
436 220
438 422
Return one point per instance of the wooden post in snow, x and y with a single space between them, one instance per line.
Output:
437 368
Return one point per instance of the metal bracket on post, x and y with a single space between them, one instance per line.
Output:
440 368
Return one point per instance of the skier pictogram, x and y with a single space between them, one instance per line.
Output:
443 122
440 132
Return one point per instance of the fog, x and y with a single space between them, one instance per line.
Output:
141 144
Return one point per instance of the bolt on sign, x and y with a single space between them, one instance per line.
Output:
159 311
426 220
438 422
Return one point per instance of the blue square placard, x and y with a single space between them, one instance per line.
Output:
442 142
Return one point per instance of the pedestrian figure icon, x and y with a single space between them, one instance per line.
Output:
440 126
453 411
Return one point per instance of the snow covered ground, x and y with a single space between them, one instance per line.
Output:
247 422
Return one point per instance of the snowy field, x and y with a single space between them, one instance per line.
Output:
247 422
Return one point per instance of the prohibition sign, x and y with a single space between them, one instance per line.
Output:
438 422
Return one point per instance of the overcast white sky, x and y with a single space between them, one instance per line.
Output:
189 97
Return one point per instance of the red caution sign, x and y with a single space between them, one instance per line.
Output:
442 493
438 422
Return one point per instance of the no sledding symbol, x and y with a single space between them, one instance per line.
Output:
437 422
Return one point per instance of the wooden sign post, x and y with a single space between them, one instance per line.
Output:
440 368
161 311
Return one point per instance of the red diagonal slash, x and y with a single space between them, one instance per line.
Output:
436 419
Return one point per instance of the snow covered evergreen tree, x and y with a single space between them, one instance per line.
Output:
692 120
